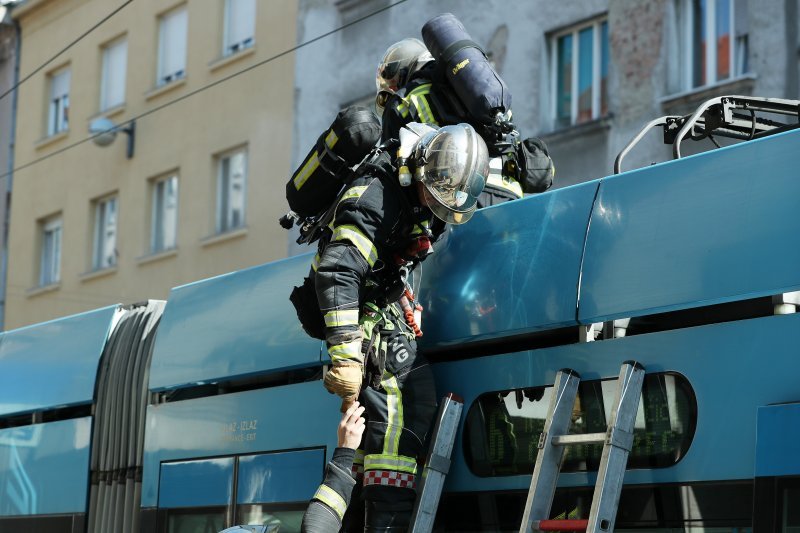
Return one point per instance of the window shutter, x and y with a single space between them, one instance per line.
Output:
115 60
60 84
241 24
173 46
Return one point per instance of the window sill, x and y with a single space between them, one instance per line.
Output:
52 139
156 256
99 273
584 128
232 58
111 112
223 237
158 91
42 289
685 102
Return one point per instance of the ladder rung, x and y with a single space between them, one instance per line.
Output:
561 525
585 438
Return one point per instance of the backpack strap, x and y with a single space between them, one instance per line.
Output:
328 159
448 53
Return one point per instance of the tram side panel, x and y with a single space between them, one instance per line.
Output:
47 382
241 425
707 229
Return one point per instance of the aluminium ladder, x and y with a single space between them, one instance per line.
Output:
617 442
437 464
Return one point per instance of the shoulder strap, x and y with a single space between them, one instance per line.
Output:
448 53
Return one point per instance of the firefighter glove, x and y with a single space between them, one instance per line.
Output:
345 380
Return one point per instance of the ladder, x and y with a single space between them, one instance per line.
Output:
437 464
617 441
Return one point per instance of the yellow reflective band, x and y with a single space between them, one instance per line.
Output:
359 457
308 168
398 463
402 108
341 317
331 139
311 165
422 90
359 240
354 192
332 499
394 418
418 97
350 351
425 113
498 182
315 262
418 229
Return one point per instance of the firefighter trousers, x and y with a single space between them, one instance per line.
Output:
400 403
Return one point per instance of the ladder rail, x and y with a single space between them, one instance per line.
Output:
437 464
614 460
548 460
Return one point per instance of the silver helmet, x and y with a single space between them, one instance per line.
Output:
401 60
452 163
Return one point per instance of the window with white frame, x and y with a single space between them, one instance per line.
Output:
164 219
50 258
112 84
104 250
712 42
172 45
58 105
580 73
240 24
231 190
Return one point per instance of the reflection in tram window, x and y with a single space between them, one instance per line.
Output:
285 518
196 520
502 428
790 509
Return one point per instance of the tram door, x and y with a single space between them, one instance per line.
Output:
267 489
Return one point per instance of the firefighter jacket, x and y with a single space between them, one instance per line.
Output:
327 507
378 229
426 100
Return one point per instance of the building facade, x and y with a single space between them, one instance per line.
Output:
203 88
585 75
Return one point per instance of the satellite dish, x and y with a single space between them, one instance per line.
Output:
103 131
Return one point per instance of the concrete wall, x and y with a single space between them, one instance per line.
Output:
253 109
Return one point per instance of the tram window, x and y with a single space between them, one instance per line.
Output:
285 518
198 520
708 507
502 428
42 524
790 506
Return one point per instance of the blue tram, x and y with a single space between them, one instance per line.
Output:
208 411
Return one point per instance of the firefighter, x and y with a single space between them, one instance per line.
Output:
326 510
380 232
409 90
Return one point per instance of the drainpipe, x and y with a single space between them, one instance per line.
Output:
10 177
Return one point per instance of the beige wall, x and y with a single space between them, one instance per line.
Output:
253 109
